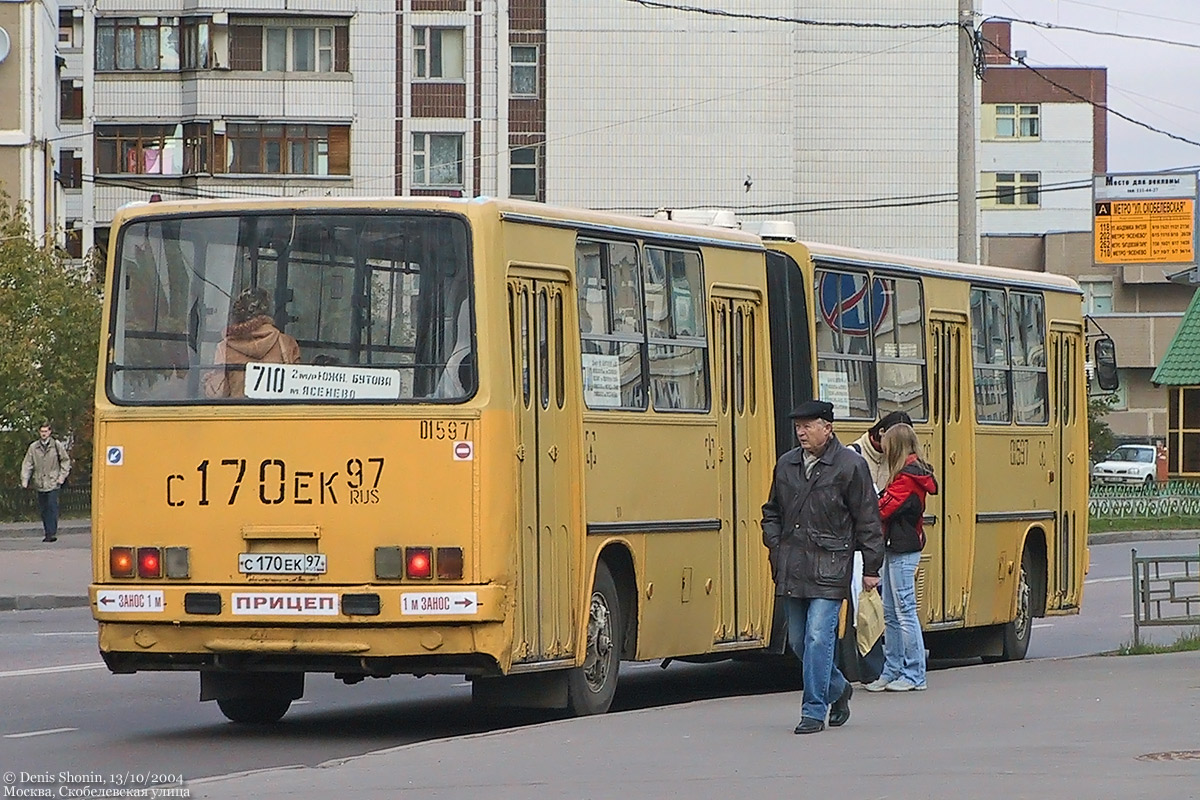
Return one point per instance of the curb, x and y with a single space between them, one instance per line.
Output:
32 602
1124 537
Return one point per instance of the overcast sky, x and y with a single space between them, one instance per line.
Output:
1158 84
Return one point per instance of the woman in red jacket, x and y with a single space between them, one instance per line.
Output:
902 509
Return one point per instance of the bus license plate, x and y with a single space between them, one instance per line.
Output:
281 563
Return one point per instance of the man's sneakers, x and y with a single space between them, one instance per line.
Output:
839 712
810 725
904 685
50 539
878 685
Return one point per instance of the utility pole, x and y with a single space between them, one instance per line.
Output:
968 235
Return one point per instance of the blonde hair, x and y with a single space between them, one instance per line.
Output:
900 442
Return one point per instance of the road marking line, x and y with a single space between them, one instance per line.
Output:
67 633
1127 616
1106 580
1043 625
38 733
301 702
457 685
19 673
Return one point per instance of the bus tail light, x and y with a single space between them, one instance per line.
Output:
120 562
449 563
177 561
418 562
149 562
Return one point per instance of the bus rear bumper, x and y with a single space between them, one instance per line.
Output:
475 649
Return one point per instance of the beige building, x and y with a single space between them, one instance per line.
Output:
29 108
1043 138
1135 304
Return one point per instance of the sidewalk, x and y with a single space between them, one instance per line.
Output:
1095 727
36 574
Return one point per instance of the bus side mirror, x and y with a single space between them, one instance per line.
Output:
1104 355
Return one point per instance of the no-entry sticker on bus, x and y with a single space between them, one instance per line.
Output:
464 451
439 603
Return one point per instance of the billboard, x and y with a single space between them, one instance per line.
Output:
1145 218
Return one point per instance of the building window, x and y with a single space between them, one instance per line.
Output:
523 173
438 53
70 97
1097 295
437 159
524 71
1183 429
137 43
287 149
1017 188
66 28
197 46
1018 122
139 149
298 49
70 169
73 238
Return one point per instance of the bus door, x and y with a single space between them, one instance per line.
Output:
545 575
735 322
950 513
1066 358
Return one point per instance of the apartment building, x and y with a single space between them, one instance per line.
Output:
261 99
28 110
1043 138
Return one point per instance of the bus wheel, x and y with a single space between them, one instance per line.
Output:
590 688
1017 632
254 710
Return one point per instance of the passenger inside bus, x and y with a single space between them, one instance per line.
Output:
251 336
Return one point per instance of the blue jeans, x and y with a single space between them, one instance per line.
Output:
48 506
903 644
812 633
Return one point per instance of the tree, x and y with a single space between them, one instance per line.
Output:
49 334
1100 435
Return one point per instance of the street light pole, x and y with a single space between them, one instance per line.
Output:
968 235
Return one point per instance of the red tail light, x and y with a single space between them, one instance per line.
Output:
120 562
418 562
149 562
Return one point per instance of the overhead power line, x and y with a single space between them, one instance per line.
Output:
1093 32
821 23
1089 101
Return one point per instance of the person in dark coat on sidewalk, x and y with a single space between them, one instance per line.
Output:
822 508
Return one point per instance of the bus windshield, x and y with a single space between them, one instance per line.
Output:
292 307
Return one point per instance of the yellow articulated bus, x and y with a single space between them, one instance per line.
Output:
371 437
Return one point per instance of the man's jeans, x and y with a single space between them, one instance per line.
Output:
812 634
48 506
903 644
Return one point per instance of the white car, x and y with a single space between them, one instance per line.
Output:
1128 464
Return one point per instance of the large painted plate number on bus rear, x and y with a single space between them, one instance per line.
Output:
281 563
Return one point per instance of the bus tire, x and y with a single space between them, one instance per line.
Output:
1017 633
262 710
590 688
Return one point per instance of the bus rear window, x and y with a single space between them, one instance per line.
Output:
293 307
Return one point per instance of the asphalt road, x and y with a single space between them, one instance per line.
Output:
62 711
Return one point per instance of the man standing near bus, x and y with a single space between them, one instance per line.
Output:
47 465
822 508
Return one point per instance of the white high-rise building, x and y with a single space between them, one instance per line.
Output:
28 110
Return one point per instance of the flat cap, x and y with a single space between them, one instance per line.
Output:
813 409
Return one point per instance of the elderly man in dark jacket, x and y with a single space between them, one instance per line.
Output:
822 508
